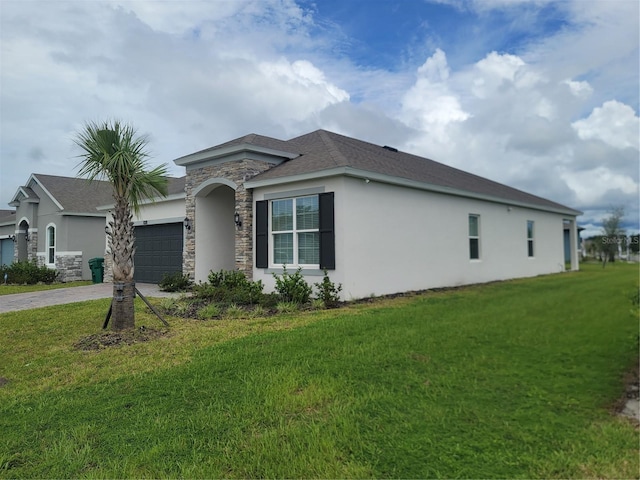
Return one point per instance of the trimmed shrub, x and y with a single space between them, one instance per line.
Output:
27 272
328 292
292 287
175 282
228 287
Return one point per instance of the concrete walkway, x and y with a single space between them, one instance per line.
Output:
60 296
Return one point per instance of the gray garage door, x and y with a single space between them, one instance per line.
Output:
158 251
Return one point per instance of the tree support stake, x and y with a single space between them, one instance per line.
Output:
151 307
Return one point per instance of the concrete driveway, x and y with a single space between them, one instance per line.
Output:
60 296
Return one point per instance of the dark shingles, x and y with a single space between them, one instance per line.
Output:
323 150
7 216
76 195
175 185
79 195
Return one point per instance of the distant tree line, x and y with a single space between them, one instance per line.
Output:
613 241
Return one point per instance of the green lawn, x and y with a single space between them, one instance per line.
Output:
9 289
507 380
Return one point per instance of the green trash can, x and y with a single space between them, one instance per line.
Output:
97 269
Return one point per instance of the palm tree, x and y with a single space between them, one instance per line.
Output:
115 152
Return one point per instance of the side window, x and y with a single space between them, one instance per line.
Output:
474 237
51 244
530 231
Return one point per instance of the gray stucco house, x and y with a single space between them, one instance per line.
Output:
380 220
56 222
7 232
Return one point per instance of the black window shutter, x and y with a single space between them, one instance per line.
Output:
262 234
327 234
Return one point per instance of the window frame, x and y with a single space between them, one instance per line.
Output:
474 238
51 244
294 231
531 225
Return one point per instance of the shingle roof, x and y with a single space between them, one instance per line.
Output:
7 216
79 195
76 195
324 150
175 185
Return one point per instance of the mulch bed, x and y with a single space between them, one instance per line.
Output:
632 391
99 341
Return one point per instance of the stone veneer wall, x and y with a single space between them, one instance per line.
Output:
108 263
69 267
32 246
238 172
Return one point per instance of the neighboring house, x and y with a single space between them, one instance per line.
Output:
56 223
7 236
379 220
60 221
567 243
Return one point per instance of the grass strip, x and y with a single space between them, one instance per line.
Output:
513 379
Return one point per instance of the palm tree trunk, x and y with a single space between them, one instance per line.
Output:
122 246
123 313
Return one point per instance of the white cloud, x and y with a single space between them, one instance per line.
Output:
614 123
555 117
429 105
579 89
591 186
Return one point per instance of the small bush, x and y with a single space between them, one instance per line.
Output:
27 272
175 282
287 307
230 279
317 304
208 312
292 287
235 311
258 311
168 304
229 286
328 292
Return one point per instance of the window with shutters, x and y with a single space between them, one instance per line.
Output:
296 231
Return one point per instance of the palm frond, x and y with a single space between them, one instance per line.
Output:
115 152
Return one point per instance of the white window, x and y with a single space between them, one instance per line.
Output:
530 226
51 244
474 237
295 232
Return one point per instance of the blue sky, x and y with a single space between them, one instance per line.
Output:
400 35
541 95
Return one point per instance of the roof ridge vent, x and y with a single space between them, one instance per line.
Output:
391 149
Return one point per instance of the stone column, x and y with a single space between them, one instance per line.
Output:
189 252
244 237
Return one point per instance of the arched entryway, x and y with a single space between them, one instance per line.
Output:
214 227
22 241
